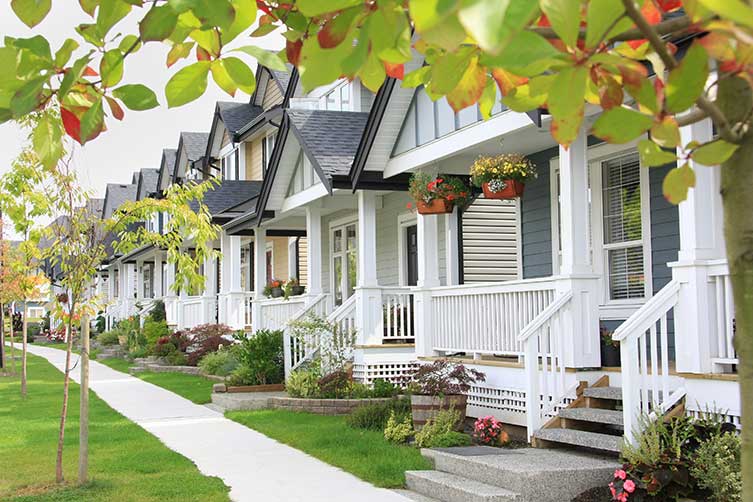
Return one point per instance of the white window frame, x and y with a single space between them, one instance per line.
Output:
341 224
404 220
270 246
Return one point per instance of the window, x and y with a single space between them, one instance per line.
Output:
344 261
231 165
267 145
246 269
116 282
623 232
270 266
147 275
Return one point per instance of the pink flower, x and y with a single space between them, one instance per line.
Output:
611 489
622 497
629 486
619 473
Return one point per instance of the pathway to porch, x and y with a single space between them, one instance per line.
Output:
254 466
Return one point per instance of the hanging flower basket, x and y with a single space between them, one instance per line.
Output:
502 176
436 206
503 189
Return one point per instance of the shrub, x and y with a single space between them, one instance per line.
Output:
108 338
384 388
303 383
716 466
164 347
242 375
444 377
137 352
336 385
221 363
443 422
176 359
375 416
205 339
358 390
450 440
396 431
158 312
153 331
262 354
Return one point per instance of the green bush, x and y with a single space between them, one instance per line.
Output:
716 466
220 363
384 388
153 331
108 338
242 375
450 440
176 359
443 422
303 383
137 352
375 416
158 312
397 431
261 354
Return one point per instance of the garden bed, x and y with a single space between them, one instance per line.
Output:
322 406
275 387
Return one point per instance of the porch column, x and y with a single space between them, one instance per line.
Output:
701 246
139 280
231 308
157 277
452 247
171 298
260 276
209 296
581 322
314 256
428 277
369 319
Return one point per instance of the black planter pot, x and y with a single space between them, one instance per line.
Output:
610 355
298 290
277 292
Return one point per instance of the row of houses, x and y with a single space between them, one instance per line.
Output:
314 187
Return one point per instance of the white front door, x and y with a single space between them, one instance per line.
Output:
344 261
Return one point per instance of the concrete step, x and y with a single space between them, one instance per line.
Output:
415 497
538 475
451 488
612 393
583 439
593 415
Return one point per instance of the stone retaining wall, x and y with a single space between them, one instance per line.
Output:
163 368
321 406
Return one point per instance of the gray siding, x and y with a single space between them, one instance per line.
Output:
536 216
665 229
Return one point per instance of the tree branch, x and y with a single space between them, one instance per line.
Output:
695 115
664 28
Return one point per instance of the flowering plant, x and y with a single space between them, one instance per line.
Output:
488 431
506 166
424 187
622 486
445 378
273 284
56 335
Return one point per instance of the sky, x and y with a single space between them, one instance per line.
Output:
138 140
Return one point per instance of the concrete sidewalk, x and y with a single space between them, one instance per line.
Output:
255 467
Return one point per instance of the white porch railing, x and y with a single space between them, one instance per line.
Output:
192 312
487 318
298 351
276 313
724 315
644 350
542 341
397 309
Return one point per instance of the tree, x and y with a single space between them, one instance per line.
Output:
558 55
10 291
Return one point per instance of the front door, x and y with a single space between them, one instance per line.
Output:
344 261
411 234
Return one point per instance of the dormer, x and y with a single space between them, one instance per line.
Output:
189 163
226 153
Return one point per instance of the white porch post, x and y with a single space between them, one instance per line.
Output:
581 324
139 280
701 244
171 298
314 256
260 276
369 317
232 308
452 248
209 296
428 277
157 277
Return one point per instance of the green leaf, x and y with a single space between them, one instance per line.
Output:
600 16
313 8
28 97
92 122
47 140
687 82
63 55
525 48
158 24
127 42
72 76
734 10
714 153
494 23
470 88
188 84
448 69
666 133
266 58
136 97
677 183
354 61
652 155
245 15
241 74
109 13
222 78
417 77
373 73
566 103
179 51
620 125
529 96
31 12
488 99
211 13
111 67
319 66
89 6
564 16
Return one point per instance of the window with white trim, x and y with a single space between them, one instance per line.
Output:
267 145
344 261
231 165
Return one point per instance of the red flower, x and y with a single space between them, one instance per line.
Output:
440 180
450 197
409 205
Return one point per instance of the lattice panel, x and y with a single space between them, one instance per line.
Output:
391 372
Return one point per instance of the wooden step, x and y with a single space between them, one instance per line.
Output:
593 415
582 439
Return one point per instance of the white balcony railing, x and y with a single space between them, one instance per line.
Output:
487 318
192 312
723 315
276 312
398 313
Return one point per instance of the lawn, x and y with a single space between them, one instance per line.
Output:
127 464
364 453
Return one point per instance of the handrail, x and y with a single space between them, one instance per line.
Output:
317 299
532 327
463 289
344 308
649 312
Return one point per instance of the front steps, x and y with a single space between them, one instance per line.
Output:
485 474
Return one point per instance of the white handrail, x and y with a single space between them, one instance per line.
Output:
297 351
649 312
544 316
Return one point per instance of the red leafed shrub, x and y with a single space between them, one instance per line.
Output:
206 339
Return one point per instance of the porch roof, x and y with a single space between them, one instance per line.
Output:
227 195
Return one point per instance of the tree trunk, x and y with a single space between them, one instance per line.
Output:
735 99
64 412
12 343
83 436
24 342
3 364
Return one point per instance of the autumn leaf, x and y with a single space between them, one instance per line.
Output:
469 89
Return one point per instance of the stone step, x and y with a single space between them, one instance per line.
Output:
583 439
593 415
448 487
536 474
415 497
612 393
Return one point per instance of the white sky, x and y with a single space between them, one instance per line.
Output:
138 140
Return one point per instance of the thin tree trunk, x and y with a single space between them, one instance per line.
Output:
12 344
83 436
24 342
735 98
64 412
3 363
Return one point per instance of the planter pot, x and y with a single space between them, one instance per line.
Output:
277 292
512 190
610 356
436 206
298 290
424 408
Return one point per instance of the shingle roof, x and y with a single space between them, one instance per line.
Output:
228 194
169 155
195 144
237 115
116 195
147 183
329 138
282 77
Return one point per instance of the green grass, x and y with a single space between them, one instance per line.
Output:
364 453
127 464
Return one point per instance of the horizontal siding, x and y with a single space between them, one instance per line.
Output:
490 245
665 230
303 270
272 95
535 219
